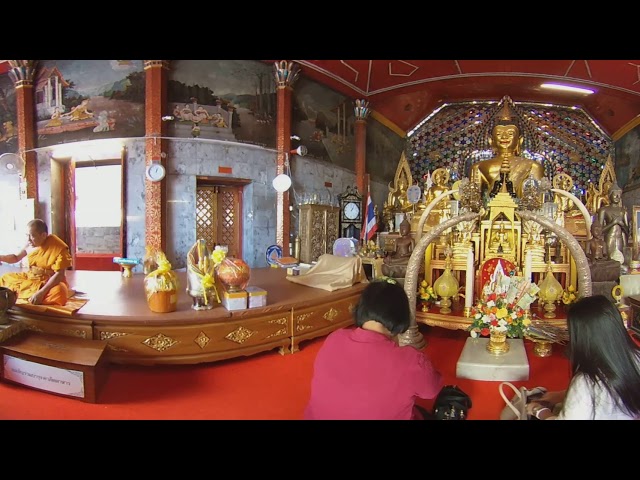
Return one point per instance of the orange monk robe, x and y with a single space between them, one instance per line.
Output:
52 256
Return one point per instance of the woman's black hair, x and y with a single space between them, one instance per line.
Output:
602 350
386 303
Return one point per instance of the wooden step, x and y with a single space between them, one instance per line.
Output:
67 366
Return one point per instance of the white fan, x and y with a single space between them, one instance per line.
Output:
11 163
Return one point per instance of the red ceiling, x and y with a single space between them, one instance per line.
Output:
406 91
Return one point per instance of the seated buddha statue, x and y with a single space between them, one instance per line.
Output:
439 186
395 264
506 142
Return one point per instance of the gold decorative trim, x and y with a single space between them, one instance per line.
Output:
110 335
388 123
286 73
331 314
301 318
240 335
282 331
202 340
75 333
351 308
116 349
33 328
160 342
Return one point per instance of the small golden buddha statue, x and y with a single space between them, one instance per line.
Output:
506 141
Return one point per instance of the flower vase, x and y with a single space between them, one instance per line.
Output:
497 343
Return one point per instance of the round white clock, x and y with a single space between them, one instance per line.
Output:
351 210
155 172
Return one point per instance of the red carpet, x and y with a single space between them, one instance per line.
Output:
266 386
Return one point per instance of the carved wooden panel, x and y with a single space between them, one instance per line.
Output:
318 230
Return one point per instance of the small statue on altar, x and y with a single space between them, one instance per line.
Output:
596 247
395 264
201 277
615 224
506 141
440 186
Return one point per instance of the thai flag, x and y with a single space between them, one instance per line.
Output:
370 221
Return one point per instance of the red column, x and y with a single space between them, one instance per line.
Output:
286 74
155 192
361 111
22 74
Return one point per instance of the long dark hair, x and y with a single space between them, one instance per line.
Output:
602 350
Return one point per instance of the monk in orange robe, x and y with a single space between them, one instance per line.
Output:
45 282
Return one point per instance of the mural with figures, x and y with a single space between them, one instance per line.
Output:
325 122
628 160
231 100
8 131
80 100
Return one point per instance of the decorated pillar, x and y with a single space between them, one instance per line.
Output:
286 74
155 145
22 73
361 111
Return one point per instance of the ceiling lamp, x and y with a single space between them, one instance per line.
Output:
282 182
567 88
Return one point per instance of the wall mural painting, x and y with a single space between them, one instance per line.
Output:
627 164
79 100
8 130
384 149
325 122
231 100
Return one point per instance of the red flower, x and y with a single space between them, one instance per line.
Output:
484 332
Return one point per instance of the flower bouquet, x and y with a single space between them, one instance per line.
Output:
426 294
504 306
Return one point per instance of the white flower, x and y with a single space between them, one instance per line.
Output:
491 303
478 316
486 319
502 322
474 334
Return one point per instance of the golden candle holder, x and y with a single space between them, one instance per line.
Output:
445 304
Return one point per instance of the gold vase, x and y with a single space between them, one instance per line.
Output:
542 348
497 343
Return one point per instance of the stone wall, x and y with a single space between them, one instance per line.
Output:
98 240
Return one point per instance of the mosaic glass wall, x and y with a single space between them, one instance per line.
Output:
564 139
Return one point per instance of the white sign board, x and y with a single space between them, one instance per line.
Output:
44 377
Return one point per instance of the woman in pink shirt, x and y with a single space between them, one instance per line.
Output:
362 373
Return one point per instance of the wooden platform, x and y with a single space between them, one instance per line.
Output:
117 314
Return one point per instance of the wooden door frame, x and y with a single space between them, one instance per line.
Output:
241 183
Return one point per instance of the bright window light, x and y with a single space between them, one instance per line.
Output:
98 190
567 88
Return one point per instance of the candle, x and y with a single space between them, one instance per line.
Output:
527 265
468 288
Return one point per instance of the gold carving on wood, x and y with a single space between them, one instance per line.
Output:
160 342
116 349
33 328
331 314
282 331
240 335
110 335
75 333
352 307
301 318
202 340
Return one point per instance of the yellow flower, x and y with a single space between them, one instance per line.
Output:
502 312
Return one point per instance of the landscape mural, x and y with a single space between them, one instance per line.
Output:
80 100
231 100
8 130
325 122
627 160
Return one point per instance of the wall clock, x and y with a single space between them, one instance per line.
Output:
351 213
155 171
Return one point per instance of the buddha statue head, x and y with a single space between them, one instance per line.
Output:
506 139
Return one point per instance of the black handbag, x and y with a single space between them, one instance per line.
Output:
451 404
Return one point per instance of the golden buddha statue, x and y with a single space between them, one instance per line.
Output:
506 141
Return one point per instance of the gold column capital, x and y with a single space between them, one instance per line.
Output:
156 64
361 109
22 72
286 73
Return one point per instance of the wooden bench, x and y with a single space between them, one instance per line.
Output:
67 366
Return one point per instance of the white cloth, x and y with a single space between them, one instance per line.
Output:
578 403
